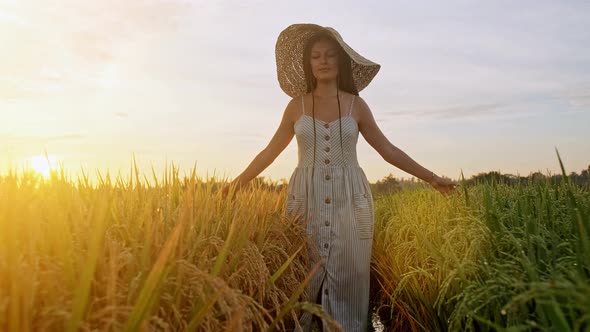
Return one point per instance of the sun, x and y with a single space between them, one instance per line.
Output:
43 164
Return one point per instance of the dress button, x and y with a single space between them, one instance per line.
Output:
327 125
326 246
365 195
327 137
327 223
328 200
328 177
327 149
326 291
327 161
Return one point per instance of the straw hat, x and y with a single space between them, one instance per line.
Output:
289 55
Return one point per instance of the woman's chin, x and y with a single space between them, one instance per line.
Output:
326 78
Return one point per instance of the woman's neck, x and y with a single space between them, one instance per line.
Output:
325 89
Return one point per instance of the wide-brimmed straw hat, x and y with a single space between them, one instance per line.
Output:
289 56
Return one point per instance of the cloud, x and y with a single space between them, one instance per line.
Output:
53 47
579 100
517 105
101 26
13 89
452 112
578 97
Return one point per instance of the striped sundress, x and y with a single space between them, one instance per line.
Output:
337 205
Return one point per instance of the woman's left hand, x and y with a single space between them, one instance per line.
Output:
444 186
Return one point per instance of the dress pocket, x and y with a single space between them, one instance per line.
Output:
363 215
295 206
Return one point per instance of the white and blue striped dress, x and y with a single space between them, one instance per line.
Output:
338 207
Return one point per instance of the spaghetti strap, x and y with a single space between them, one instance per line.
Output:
351 102
302 106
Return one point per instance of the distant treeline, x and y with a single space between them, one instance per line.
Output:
390 183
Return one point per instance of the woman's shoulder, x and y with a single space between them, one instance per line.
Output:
295 102
360 110
293 109
359 102
354 97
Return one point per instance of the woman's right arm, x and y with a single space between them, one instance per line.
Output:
277 144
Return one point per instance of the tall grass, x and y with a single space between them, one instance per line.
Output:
538 277
425 245
492 257
170 253
145 254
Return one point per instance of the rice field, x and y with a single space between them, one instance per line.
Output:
169 253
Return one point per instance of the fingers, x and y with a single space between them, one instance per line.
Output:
446 189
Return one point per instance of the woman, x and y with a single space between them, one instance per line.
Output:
328 190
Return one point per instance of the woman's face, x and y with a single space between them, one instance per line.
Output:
324 60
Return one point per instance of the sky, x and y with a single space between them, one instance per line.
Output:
464 86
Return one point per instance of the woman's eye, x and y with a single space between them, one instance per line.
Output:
329 55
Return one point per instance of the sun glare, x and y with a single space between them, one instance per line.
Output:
43 164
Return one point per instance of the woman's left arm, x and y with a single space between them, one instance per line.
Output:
392 154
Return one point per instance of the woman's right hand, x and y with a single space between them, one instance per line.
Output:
444 186
225 190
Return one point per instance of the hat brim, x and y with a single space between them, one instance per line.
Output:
289 58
